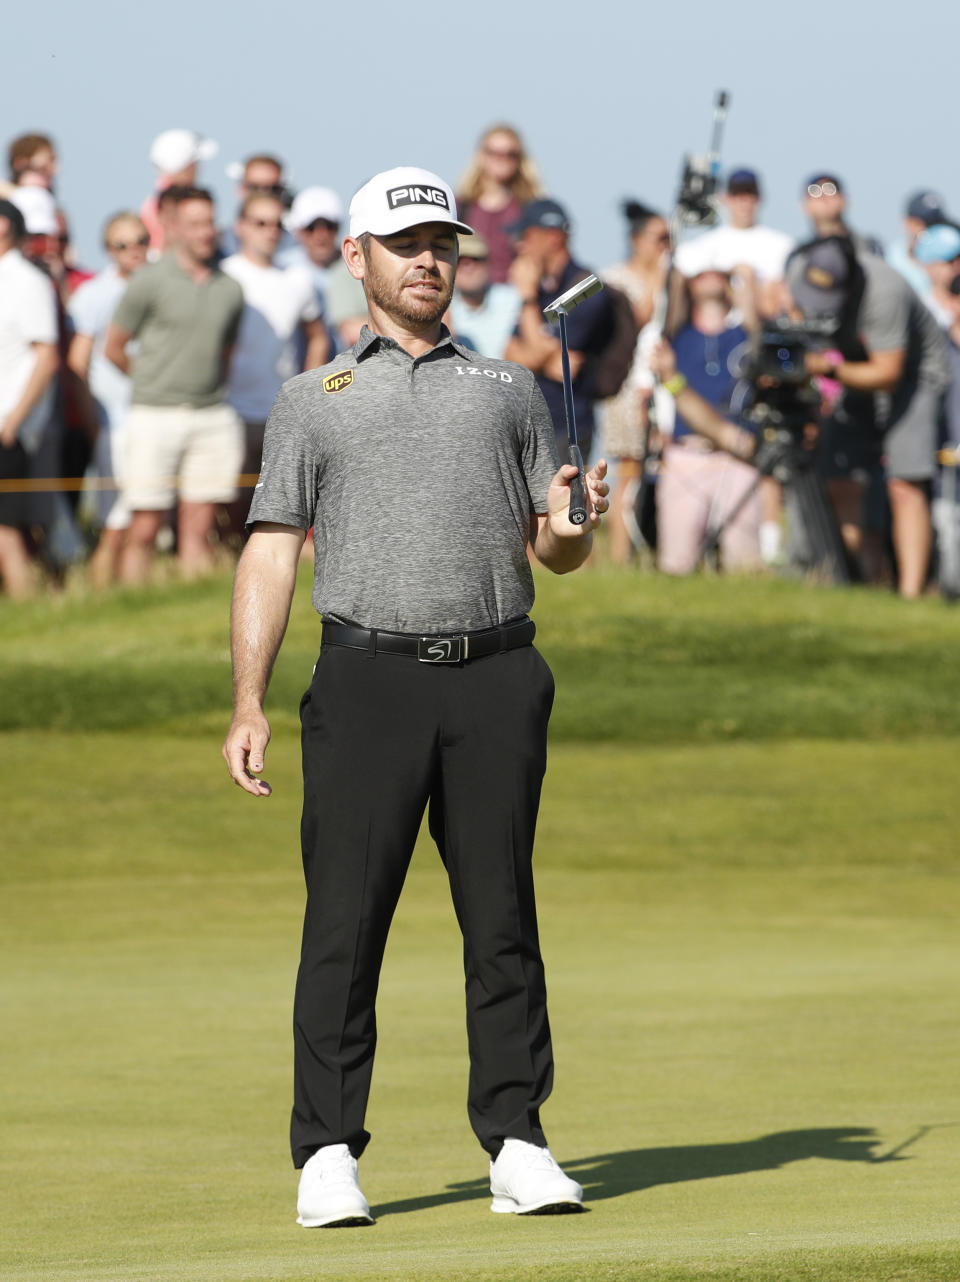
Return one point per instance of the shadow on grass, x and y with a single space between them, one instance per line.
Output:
607 1175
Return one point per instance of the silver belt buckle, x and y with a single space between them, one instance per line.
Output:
442 649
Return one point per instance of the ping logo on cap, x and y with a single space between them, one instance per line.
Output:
398 196
337 382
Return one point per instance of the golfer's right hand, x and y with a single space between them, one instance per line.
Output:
244 749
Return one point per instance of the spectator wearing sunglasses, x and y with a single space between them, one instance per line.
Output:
825 203
315 217
279 307
261 174
126 240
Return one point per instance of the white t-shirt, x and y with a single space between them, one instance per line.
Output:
276 302
28 314
724 248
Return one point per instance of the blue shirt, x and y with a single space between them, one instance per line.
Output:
589 329
711 365
91 310
488 327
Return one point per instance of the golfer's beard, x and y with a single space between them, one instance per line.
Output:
398 302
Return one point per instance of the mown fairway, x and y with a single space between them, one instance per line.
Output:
748 896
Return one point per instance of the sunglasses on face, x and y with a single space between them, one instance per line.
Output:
816 190
119 245
268 189
321 224
503 153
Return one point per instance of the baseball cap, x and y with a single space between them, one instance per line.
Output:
541 213
743 182
174 149
821 177
474 246
938 244
39 210
929 206
14 215
819 277
403 197
313 203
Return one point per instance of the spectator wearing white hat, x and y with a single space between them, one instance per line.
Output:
176 154
315 217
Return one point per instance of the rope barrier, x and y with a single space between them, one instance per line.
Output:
65 484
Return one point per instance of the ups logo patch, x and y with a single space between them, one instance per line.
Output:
337 382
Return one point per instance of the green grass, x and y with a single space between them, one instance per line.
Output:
747 885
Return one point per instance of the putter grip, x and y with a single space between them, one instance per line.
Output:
578 487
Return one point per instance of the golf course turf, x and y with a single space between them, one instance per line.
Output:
747 881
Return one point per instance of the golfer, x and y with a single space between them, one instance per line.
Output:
424 469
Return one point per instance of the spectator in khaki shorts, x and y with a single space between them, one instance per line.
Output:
181 437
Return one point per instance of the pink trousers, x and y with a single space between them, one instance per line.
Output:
696 491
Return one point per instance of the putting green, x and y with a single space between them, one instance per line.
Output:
751 952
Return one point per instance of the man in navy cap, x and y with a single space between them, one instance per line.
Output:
543 269
743 246
923 209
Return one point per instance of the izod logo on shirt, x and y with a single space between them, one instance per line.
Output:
337 382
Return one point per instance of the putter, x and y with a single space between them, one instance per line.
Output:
558 310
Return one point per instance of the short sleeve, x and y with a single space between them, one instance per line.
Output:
538 455
286 492
310 309
884 318
37 311
85 310
135 304
233 322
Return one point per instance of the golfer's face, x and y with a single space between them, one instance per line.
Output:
410 274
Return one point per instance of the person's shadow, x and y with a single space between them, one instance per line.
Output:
607 1175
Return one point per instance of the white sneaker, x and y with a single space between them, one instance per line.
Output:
525 1180
329 1195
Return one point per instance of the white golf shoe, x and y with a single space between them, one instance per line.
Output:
525 1180
329 1196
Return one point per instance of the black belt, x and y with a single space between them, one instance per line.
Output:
457 647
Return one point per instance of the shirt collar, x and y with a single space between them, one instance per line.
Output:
369 342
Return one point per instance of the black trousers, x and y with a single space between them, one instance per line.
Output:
383 736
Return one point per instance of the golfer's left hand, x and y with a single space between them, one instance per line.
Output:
558 500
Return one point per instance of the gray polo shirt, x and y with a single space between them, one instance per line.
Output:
183 329
419 477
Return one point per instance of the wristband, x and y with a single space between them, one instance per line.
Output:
675 384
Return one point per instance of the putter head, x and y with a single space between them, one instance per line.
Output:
573 297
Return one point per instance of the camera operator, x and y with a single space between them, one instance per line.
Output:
889 359
825 204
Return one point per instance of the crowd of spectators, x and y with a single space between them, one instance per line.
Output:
133 402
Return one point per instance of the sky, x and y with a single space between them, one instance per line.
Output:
608 96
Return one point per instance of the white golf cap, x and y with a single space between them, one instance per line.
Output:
400 198
313 203
174 149
39 210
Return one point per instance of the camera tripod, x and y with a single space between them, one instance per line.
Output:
815 542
